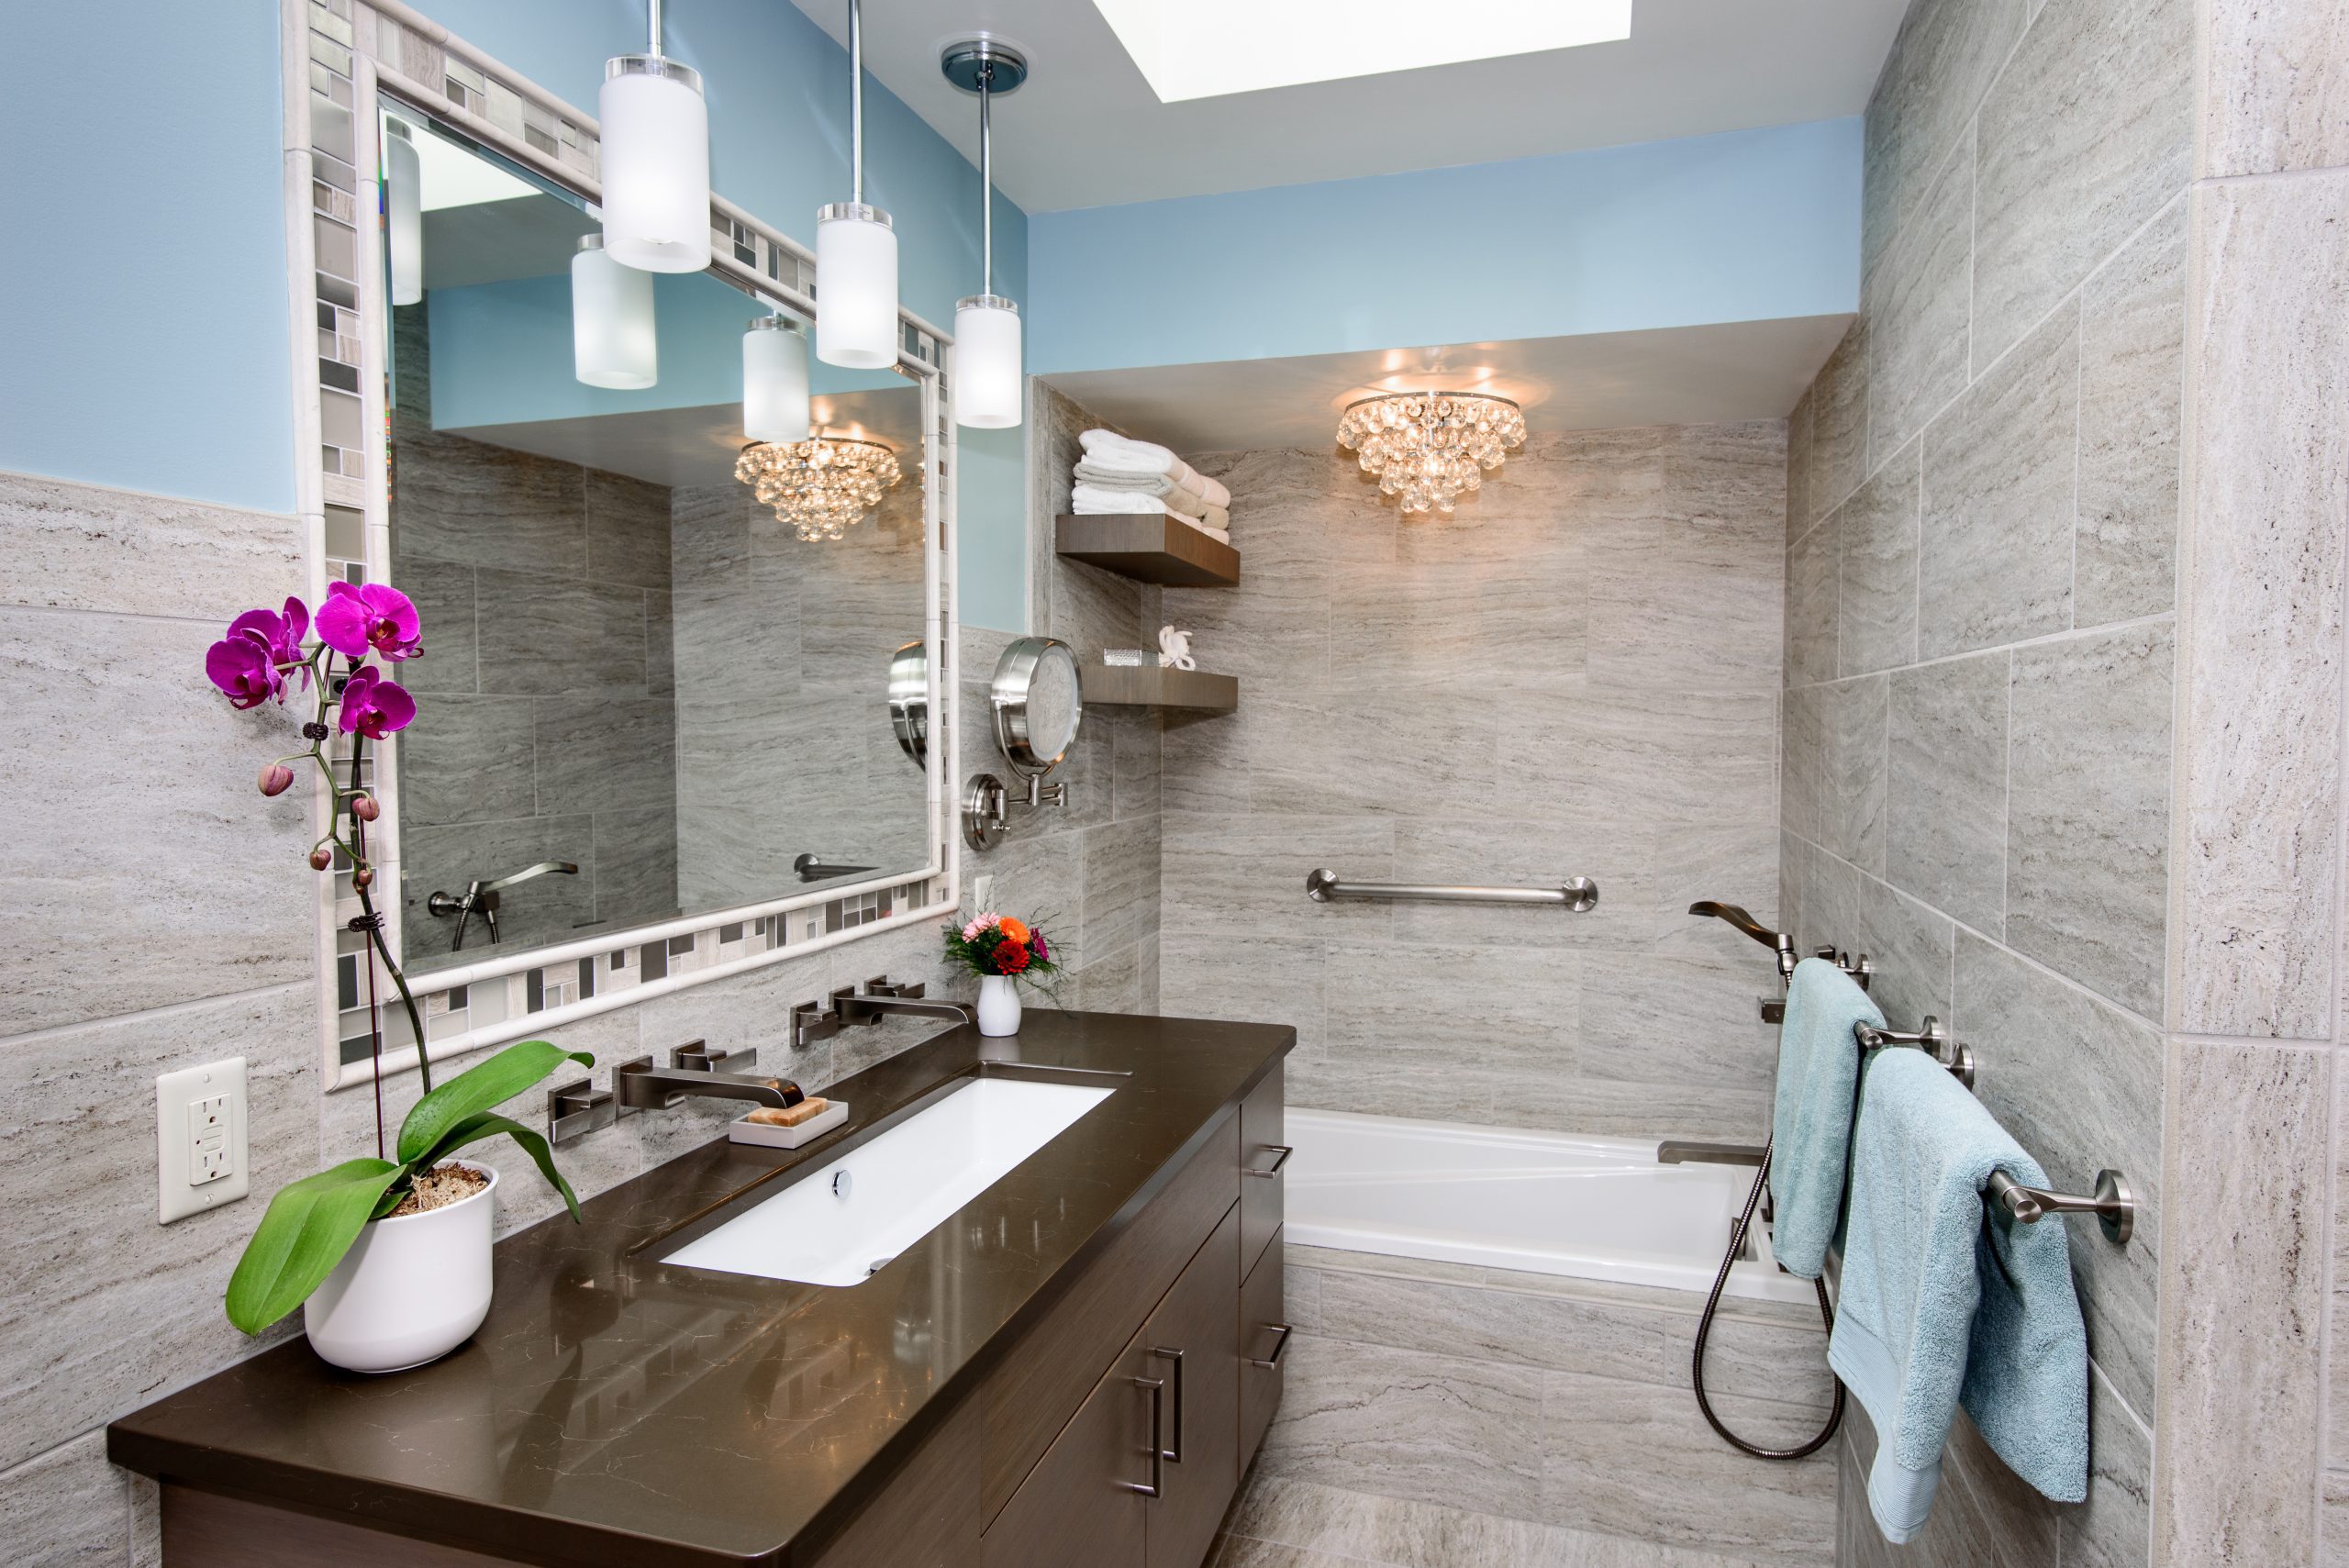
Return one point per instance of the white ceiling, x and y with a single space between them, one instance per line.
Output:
1088 131
679 447
1686 375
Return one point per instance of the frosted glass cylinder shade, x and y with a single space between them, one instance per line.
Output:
986 362
404 217
612 340
775 382
856 287
655 163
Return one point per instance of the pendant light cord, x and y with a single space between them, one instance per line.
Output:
652 26
986 183
855 101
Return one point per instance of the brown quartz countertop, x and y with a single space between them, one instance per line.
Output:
616 1409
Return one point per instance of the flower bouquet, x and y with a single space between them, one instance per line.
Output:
1002 951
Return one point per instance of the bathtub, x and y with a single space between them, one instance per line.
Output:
1599 1208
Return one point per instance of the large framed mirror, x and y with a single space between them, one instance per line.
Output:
668 566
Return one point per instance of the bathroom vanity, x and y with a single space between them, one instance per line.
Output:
1074 1367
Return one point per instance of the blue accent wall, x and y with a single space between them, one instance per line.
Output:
142 256
1747 226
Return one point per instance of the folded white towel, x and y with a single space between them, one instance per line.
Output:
1217 521
1107 450
1090 501
1169 488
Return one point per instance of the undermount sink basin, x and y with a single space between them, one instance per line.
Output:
840 1222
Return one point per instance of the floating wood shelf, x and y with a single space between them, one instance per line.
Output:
1149 685
1149 547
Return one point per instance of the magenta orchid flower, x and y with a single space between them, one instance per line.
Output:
240 666
281 633
354 621
372 705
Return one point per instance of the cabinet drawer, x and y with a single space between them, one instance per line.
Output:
1264 1163
1263 1348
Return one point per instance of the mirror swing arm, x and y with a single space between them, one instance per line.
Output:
1032 743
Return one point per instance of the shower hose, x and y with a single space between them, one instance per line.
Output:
1704 1329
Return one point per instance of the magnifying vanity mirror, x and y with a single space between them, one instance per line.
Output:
667 666
1038 707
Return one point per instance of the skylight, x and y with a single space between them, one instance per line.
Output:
1205 49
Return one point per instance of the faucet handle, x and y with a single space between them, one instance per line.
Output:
812 1022
700 1056
882 986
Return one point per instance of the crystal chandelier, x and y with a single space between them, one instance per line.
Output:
1427 447
821 486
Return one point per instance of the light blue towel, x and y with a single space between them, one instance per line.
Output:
1811 1122
1940 1304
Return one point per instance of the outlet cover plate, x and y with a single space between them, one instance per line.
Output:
200 1146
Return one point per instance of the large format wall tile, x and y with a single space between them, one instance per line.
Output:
2079 1084
77 547
2112 1529
1912 946
1916 299
139 868
1996 562
468 759
2088 837
2241 1304
1814 560
2132 350
477 505
1945 788
562 637
99 1305
1942 62
1851 730
1839 456
2275 86
1876 582
2083 139
67 1508
2267 462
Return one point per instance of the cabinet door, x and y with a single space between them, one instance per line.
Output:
1263 1159
1193 1341
1084 1501
1264 1344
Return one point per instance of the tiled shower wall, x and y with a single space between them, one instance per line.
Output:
551 733
1981 526
2253 1421
1577 675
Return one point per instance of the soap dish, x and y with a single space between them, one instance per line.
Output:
743 1129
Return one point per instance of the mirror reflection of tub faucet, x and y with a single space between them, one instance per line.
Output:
482 896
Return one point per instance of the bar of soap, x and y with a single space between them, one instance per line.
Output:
790 1116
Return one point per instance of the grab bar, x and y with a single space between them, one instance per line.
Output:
1577 892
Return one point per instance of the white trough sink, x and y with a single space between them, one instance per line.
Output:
900 1186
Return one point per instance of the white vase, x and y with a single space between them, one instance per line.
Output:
410 1290
998 1005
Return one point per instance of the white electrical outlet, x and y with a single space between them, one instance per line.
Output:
982 889
199 1139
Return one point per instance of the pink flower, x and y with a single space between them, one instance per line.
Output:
355 620
240 666
984 922
282 634
374 706
276 778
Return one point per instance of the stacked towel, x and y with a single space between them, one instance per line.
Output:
1112 457
1811 1123
1944 1304
1094 500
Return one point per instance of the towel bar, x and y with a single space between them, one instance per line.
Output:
2114 1205
1577 894
1933 1040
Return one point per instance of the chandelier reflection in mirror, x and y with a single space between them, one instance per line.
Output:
1428 447
821 486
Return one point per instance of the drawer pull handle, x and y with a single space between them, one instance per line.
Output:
1174 1454
1281 1151
1156 1485
1268 1363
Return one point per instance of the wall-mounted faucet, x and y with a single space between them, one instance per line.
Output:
813 1021
482 897
694 1072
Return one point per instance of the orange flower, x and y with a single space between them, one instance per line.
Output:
1013 930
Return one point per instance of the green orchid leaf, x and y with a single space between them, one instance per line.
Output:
310 1225
476 1089
488 1124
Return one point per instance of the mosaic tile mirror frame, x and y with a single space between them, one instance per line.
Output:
347 61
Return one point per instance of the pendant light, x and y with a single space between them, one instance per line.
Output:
612 342
403 212
774 382
987 325
856 250
655 160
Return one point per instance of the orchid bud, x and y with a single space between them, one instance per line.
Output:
364 807
276 778
321 858
364 876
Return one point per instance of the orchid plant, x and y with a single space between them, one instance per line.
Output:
312 1223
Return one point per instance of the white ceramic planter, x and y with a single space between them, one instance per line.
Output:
998 1005
410 1290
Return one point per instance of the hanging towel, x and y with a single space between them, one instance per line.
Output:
1811 1122
1945 1301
